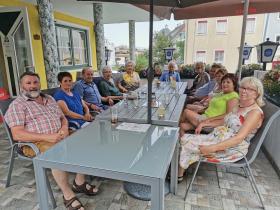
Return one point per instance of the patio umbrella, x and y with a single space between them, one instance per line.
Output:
170 4
221 8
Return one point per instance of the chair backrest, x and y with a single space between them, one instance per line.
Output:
50 91
271 113
97 80
4 105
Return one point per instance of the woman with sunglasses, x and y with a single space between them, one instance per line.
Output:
231 137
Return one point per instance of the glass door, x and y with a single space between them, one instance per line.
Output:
16 42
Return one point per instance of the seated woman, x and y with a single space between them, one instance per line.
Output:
107 86
165 77
201 105
157 70
219 105
73 107
201 78
233 131
130 80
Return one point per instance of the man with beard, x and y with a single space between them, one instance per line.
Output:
35 117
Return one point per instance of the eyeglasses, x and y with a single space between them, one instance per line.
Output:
246 89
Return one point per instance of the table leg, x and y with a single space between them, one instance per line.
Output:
174 171
41 184
157 199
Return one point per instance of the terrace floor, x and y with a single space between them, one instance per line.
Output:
235 191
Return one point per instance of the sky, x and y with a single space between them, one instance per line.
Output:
118 33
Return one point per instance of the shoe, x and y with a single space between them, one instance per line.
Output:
83 188
68 203
180 179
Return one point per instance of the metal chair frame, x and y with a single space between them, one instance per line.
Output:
248 158
15 148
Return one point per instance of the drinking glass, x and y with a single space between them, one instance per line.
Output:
114 114
125 100
161 111
166 99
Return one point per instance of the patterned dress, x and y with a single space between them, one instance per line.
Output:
233 122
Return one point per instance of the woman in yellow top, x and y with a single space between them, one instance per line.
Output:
130 79
219 105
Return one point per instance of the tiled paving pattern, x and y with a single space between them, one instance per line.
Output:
235 191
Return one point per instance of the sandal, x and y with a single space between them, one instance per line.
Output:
83 188
180 178
68 203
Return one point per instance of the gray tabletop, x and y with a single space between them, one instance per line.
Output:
101 149
101 145
174 106
164 87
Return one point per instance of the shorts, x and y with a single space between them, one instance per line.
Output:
42 146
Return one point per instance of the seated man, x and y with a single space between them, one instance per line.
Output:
165 77
204 90
107 86
35 117
90 93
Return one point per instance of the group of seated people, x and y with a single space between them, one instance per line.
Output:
233 112
43 120
38 118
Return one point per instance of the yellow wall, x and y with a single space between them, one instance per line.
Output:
37 46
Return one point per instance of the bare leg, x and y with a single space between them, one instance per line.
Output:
80 179
180 171
184 127
61 178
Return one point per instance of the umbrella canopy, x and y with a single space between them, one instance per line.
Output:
219 8
225 8
170 3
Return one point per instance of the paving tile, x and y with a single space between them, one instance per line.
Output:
173 205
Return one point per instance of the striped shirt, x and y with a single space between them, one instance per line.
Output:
35 117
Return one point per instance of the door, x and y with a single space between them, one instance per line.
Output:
16 45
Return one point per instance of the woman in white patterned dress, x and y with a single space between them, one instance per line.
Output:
234 131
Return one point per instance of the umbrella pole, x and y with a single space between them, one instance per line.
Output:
150 69
244 23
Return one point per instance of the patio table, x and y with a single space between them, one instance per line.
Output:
102 150
138 114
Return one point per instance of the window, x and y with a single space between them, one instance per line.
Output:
200 56
221 26
201 27
251 23
182 35
277 39
219 56
72 47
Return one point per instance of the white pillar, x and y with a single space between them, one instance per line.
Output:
132 40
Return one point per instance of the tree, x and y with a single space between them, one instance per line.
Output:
161 40
179 53
141 62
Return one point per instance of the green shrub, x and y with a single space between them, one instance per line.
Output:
271 82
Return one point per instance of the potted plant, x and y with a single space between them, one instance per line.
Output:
187 72
271 83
